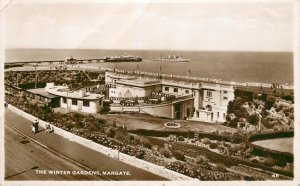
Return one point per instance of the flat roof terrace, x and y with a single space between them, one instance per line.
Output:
42 92
141 82
65 92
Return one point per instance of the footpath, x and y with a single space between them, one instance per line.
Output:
89 153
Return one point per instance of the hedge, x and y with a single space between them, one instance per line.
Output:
191 134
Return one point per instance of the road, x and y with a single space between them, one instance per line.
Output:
23 157
45 151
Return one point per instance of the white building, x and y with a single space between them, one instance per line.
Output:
210 98
76 100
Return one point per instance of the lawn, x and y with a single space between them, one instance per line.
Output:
143 121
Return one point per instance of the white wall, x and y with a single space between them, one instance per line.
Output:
94 107
123 90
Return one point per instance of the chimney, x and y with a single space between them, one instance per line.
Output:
49 86
81 92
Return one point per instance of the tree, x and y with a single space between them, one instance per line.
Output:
253 119
270 102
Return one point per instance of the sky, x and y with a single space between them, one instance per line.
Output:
240 26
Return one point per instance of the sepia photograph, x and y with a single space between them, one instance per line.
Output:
114 91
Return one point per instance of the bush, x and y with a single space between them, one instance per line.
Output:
140 154
180 138
166 153
288 98
111 132
92 127
131 138
206 141
179 155
147 144
253 119
213 146
220 167
270 162
202 160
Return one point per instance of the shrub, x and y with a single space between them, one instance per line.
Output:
213 146
166 153
114 124
253 119
269 162
180 138
140 154
202 159
111 132
206 141
147 144
131 138
92 127
220 167
281 161
179 155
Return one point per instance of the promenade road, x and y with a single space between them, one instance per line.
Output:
87 157
23 158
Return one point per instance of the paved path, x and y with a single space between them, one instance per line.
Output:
88 157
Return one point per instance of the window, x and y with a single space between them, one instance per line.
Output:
175 89
218 114
225 91
167 89
64 100
194 93
209 94
225 98
74 101
187 91
86 103
100 101
224 116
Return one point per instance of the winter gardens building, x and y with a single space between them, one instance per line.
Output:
193 100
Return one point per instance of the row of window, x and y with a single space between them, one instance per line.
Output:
209 94
218 115
75 102
175 90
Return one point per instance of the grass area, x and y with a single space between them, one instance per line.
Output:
281 144
143 121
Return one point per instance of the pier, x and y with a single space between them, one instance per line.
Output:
51 62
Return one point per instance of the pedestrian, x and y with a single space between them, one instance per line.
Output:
5 105
36 126
48 128
33 127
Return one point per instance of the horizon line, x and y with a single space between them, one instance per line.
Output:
272 51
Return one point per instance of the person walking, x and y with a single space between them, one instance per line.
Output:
35 126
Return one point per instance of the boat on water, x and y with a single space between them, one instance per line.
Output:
123 58
172 58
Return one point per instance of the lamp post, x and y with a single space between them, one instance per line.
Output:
67 100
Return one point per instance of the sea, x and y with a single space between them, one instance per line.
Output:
264 67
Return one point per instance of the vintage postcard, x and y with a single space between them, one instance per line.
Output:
149 92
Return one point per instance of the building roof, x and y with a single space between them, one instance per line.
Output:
139 82
63 91
42 92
